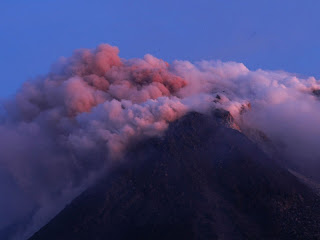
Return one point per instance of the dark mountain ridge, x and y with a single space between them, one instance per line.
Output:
201 180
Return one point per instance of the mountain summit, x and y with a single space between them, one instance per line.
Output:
200 180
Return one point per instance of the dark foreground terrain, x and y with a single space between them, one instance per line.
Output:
201 180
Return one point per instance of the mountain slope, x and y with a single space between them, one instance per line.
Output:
201 180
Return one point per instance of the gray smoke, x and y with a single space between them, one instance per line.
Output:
61 130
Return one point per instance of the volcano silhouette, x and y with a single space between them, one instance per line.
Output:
200 180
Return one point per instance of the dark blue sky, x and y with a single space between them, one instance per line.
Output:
268 34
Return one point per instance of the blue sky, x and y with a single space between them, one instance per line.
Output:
268 34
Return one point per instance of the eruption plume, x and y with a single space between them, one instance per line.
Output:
61 129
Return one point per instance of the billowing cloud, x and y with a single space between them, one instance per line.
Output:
61 129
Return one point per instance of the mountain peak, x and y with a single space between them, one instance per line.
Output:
201 180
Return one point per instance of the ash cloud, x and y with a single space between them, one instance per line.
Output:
61 130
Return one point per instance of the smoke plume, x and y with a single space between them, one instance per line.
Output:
62 129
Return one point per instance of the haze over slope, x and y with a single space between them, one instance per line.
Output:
201 180
61 129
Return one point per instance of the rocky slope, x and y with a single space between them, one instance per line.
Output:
201 180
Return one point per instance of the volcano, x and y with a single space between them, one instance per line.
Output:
142 148
202 179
